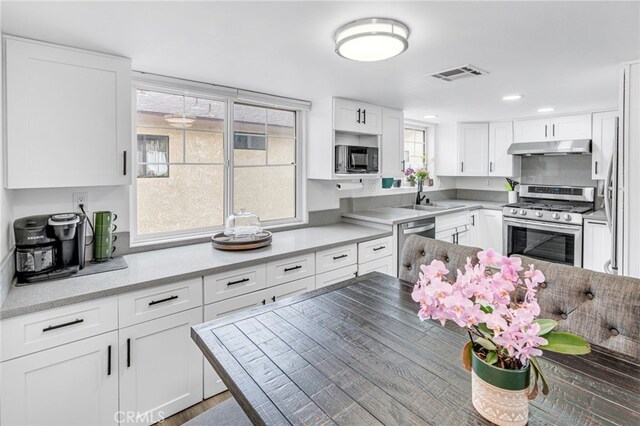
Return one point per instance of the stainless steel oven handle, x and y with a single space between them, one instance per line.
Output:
418 230
543 225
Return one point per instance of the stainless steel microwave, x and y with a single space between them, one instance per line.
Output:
356 159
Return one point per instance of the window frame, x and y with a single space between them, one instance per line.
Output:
229 97
429 141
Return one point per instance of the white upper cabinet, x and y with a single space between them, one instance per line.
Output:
68 116
605 128
356 117
500 138
554 128
392 142
473 149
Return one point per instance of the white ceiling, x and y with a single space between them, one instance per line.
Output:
560 54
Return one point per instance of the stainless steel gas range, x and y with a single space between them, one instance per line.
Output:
547 223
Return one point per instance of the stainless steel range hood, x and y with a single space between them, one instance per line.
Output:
577 146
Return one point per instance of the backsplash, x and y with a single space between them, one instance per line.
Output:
572 170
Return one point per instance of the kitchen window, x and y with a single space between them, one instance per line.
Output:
415 148
201 157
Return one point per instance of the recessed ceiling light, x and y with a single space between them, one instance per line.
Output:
545 109
512 97
371 39
431 116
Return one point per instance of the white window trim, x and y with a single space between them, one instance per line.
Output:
228 96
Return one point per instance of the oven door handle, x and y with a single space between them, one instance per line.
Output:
543 225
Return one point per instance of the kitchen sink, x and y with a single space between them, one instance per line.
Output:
434 207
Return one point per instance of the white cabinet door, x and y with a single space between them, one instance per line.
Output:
68 117
464 237
596 245
571 127
473 238
72 384
500 139
384 265
356 117
534 130
392 143
491 230
337 275
291 289
605 128
473 148
160 367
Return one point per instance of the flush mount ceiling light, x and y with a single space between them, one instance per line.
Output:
371 39
431 116
512 97
179 120
545 109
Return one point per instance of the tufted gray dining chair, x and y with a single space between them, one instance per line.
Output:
604 309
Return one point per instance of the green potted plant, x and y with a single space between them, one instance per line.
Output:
505 336
409 174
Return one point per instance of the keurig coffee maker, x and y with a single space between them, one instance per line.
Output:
49 246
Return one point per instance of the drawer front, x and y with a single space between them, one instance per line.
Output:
156 302
336 276
235 304
384 265
287 270
291 289
374 249
234 283
338 257
43 330
452 221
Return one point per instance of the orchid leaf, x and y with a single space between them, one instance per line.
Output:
534 391
565 343
492 357
466 356
486 343
483 327
486 309
536 367
546 325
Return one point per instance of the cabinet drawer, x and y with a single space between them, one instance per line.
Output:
156 302
236 304
452 221
291 289
336 276
374 249
286 270
338 257
384 265
234 283
42 330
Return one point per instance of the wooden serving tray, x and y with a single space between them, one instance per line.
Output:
223 242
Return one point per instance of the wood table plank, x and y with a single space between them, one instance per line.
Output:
356 353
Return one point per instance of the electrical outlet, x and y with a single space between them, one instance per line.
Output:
80 198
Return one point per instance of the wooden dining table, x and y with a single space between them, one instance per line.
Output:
355 353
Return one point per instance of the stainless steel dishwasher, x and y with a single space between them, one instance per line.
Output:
422 227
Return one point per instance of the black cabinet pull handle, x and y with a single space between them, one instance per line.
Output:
244 280
339 257
379 248
403 164
473 220
596 167
364 116
109 360
264 301
462 167
545 130
66 324
293 268
124 163
128 352
155 302
273 299
553 130
358 119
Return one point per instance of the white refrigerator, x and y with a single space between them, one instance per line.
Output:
622 186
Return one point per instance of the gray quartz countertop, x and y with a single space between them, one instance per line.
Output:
395 215
596 215
156 267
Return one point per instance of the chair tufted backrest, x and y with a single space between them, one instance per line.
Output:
418 251
602 308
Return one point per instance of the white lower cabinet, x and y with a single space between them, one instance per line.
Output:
596 245
337 275
473 238
490 230
384 265
72 384
160 368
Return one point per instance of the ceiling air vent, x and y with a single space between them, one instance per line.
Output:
459 72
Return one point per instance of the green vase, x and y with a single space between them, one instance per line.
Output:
499 395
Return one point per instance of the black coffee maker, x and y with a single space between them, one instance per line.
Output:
49 246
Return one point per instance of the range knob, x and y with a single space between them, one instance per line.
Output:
556 216
567 217
523 212
514 211
538 214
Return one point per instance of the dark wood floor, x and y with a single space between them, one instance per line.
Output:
195 410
